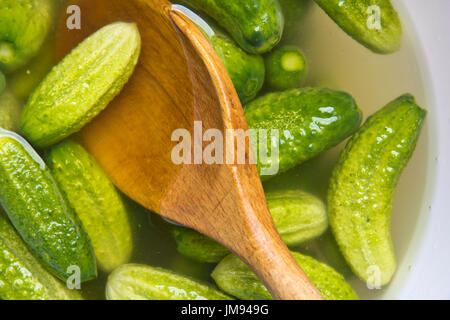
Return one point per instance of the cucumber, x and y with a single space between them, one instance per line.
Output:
293 12
139 282
256 25
10 109
373 23
309 121
285 68
245 70
298 216
81 85
333 256
39 213
2 82
362 187
21 275
23 28
234 277
96 202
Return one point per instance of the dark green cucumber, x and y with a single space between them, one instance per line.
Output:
362 187
293 12
82 84
245 70
298 216
234 277
23 28
38 211
2 82
139 282
10 109
256 25
285 68
373 23
21 275
96 202
309 121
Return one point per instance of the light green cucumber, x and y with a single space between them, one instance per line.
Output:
309 121
285 68
373 23
23 28
39 213
21 275
234 277
362 188
245 70
81 85
139 282
298 217
96 202
10 109
256 25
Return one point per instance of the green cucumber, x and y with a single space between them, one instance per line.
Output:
10 109
39 213
362 187
96 202
298 216
285 68
21 275
23 28
245 70
293 12
234 277
81 85
139 282
373 23
256 25
2 82
309 121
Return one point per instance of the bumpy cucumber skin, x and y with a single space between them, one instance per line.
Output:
24 27
39 213
10 109
352 17
361 191
280 76
234 277
96 202
256 25
298 216
139 282
81 85
21 275
309 121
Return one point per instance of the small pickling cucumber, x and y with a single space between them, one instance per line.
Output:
95 201
256 25
139 282
285 68
373 23
39 212
234 277
245 70
309 121
23 28
298 217
2 82
21 275
81 85
10 109
362 187
333 256
293 12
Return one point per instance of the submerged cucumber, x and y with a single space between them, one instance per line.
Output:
256 25
373 23
362 187
298 217
10 109
21 275
285 68
96 202
39 213
245 70
81 85
2 82
309 121
293 12
139 282
234 277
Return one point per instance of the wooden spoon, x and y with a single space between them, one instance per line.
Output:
179 80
